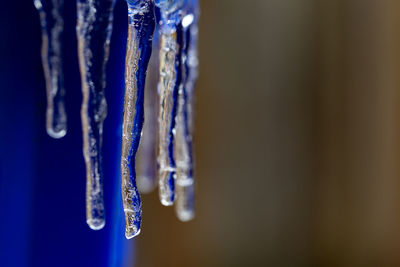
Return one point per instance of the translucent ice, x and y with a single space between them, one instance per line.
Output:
166 149
146 160
185 119
52 23
94 32
140 32
170 81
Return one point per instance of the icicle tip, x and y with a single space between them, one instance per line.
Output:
96 224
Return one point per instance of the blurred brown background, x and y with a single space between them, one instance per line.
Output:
297 142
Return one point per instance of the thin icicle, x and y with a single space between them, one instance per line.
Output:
185 120
170 80
146 160
52 23
140 33
94 31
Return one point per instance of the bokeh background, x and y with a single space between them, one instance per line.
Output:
297 138
297 143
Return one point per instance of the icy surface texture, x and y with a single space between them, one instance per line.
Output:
146 160
52 24
170 80
139 46
94 31
170 14
165 157
185 119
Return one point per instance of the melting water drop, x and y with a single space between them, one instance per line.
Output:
94 31
140 33
52 23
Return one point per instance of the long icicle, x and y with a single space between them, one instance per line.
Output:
146 160
94 31
52 24
170 79
140 34
185 119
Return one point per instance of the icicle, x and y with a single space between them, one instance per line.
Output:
170 80
184 127
140 32
52 24
146 160
171 114
94 32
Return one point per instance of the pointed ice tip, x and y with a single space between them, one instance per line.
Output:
96 224
130 235
56 135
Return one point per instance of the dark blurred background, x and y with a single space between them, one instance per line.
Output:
297 141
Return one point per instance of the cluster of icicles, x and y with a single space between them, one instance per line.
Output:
167 136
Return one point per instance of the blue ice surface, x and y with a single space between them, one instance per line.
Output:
175 96
144 26
194 9
97 36
186 43
169 15
171 12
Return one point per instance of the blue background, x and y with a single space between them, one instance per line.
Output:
42 180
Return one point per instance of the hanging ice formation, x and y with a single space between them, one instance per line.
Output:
94 31
138 52
178 72
170 81
146 160
52 23
185 118
177 60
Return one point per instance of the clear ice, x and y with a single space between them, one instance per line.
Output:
166 150
146 160
184 205
170 80
94 31
52 24
139 46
